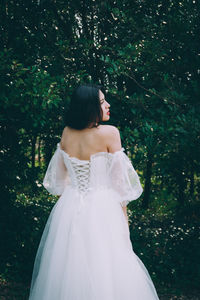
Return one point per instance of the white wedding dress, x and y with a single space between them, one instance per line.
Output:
85 252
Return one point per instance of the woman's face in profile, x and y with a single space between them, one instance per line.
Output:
104 106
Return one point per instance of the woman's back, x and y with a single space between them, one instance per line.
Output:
83 143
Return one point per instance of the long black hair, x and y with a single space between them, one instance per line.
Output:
84 108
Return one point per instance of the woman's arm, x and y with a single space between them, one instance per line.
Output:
113 145
124 208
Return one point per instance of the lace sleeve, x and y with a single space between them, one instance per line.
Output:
56 177
124 178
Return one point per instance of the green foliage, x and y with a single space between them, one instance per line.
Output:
146 54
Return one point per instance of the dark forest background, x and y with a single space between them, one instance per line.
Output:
147 56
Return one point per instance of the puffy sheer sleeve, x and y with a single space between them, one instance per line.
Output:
124 178
56 177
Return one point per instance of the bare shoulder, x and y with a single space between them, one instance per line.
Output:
65 129
109 130
63 136
112 137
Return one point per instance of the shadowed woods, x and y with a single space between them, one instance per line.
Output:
146 55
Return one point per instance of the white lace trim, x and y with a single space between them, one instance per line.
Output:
92 155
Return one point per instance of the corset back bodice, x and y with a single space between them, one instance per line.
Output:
90 174
79 173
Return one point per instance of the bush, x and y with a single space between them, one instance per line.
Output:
168 245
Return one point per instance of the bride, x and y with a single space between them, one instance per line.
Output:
85 252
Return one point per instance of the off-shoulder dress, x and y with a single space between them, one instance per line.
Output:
85 252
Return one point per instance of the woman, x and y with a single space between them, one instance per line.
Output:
85 252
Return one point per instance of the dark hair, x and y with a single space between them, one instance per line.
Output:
84 108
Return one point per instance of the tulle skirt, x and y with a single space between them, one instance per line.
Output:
85 252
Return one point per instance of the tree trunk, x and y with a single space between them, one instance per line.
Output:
192 178
181 188
33 143
39 151
147 187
